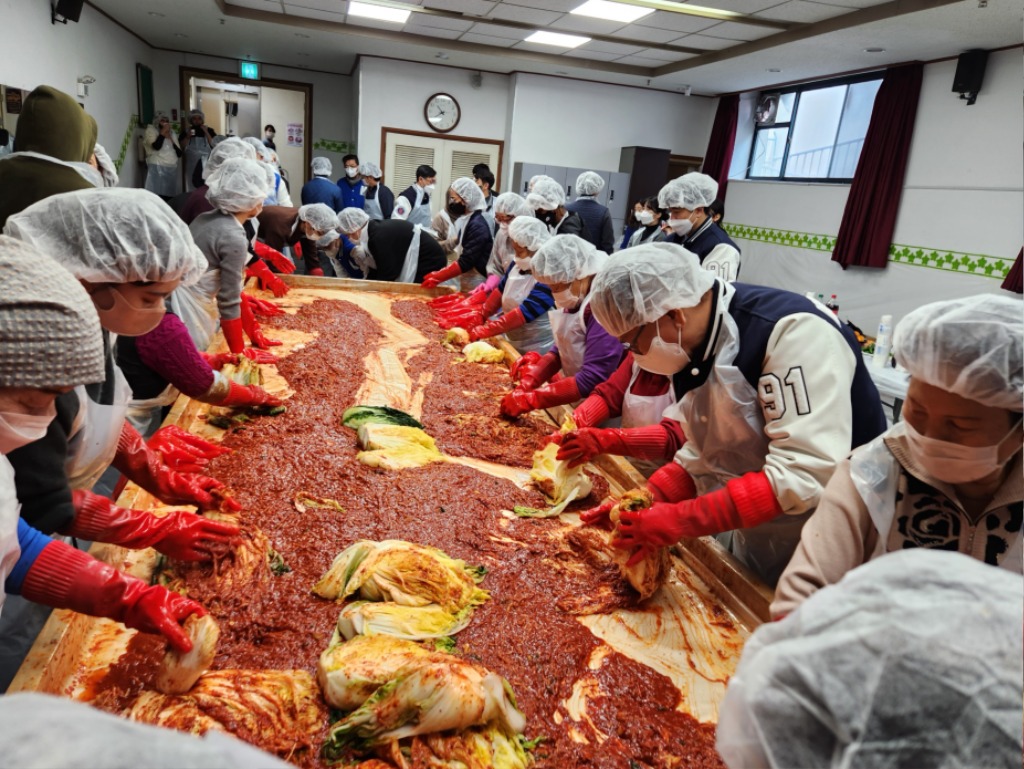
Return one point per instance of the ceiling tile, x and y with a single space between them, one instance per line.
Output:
496 30
646 34
525 15
260 5
334 6
706 41
733 30
740 6
312 13
554 50
639 61
856 3
681 22
440 22
441 34
561 6
655 53
472 7
802 11
585 25
497 42
581 53
619 48
362 21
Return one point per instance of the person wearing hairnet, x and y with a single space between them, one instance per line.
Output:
278 195
285 226
51 342
130 252
596 217
649 217
686 199
949 475
773 394
465 206
413 203
54 133
320 189
197 202
197 142
378 200
105 165
524 302
911 660
586 353
162 157
547 199
390 249
237 190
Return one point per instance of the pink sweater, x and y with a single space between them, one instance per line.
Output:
170 352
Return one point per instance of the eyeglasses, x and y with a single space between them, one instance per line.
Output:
631 347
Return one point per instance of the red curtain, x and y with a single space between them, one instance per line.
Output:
1015 278
723 135
870 216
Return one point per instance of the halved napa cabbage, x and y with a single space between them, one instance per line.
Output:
180 670
352 671
649 573
410 622
556 480
481 352
396 447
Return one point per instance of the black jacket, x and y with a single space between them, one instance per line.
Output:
477 242
389 241
598 221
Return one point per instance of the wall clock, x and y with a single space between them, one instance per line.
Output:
442 112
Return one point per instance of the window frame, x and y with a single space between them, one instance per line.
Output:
800 89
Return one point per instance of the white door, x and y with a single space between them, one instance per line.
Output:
403 153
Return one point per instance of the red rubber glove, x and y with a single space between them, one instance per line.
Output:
593 411
183 451
259 356
519 401
528 359
144 466
179 534
246 396
275 257
316 272
468 317
66 578
506 322
743 503
268 280
542 371
219 360
252 327
670 483
582 445
263 307
439 303
434 279
233 333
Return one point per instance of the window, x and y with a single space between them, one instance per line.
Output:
818 132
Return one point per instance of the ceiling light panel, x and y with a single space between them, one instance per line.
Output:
378 12
557 39
604 9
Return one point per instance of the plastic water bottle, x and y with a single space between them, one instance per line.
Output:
833 304
883 342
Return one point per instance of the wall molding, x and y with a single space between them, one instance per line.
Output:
980 265
335 145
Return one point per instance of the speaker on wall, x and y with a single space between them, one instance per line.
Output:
66 10
970 71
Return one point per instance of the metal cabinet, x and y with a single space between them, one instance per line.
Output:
615 194
521 175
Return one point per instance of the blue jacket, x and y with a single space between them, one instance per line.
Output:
598 221
320 189
477 242
31 541
351 192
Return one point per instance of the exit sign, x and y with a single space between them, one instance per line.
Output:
249 70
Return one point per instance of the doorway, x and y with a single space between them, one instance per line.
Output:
450 156
237 107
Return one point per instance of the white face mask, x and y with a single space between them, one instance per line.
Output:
566 300
351 172
663 357
952 462
17 429
645 217
680 227
270 134
429 188
524 265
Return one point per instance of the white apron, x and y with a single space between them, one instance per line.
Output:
534 336
570 333
196 305
198 149
93 440
412 257
420 213
10 511
875 473
162 180
724 426
643 411
145 415
372 208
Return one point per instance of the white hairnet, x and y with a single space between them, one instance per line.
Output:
238 185
371 169
106 164
971 347
690 191
112 235
529 232
642 283
566 258
262 152
320 216
912 660
232 147
352 219
511 204
589 183
321 166
466 189
547 194
271 173
537 178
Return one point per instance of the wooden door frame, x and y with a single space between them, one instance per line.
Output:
385 130
185 72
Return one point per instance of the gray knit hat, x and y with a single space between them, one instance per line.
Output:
50 335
